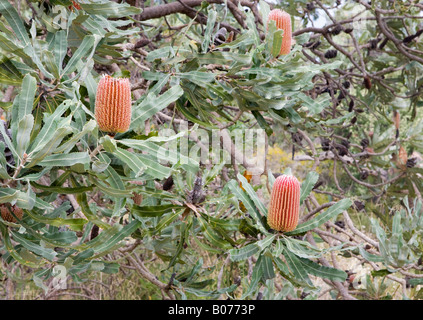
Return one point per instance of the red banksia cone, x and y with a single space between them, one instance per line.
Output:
284 208
6 213
113 104
283 21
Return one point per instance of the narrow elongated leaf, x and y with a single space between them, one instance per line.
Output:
73 224
117 193
110 9
212 236
324 272
60 47
268 270
297 267
47 253
301 248
15 22
167 219
24 200
211 19
111 237
248 203
26 97
50 125
308 185
255 277
69 144
50 62
252 194
244 252
153 211
62 190
332 212
50 146
369 256
9 74
152 104
264 243
82 51
277 43
69 159
23 134
132 160
183 235
153 168
13 252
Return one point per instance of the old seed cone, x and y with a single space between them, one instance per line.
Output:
6 212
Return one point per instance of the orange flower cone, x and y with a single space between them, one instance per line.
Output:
113 104
284 207
283 21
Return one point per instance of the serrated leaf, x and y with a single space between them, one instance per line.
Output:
65 160
211 19
131 159
244 252
13 252
248 203
23 134
308 185
110 9
330 213
87 44
264 243
60 48
73 224
50 126
268 270
108 239
15 22
46 253
9 74
296 267
152 104
324 272
153 211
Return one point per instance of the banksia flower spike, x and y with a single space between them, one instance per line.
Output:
283 21
284 207
6 213
113 104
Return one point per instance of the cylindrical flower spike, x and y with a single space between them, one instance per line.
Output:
283 21
113 104
284 207
6 213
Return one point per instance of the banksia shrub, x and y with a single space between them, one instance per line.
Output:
113 104
283 21
6 213
284 207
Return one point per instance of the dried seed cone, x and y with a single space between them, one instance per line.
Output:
283 21
113 104
6 212
284 207
137 197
